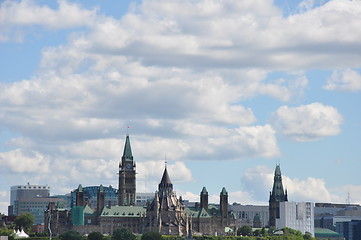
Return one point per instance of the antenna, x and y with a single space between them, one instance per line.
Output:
348 198
145 183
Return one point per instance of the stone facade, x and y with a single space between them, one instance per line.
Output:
166 214
276 196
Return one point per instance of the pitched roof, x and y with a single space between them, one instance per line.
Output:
204 191
127 154
224 192
278 193
124 211
165 178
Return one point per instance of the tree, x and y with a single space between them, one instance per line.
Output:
244 231
7 232
71 235
95 236
123 234
289 231
24 221
152 236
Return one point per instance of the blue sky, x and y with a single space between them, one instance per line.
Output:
224 90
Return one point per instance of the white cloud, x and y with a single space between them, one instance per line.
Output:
27 12
149 174
347 80
257 182
236 144
310 189
307 122
20 161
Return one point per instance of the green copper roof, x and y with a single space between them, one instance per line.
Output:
101 188
191 212
224 192
204 191
324 232
278 193
127 154
80 188
88 210
124 211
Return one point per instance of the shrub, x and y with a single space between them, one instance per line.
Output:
152 236
95 236
71 235
123 234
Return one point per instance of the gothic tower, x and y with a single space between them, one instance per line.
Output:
166 212
224 206
204 199
126 190
100 199
276 196
79 197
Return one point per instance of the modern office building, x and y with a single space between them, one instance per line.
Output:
142 199
90 196
250 215
298 216
32 199
28 191
342 218
350 230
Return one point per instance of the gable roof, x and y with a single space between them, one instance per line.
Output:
124 211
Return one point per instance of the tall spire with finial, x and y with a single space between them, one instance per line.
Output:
276 196
127 181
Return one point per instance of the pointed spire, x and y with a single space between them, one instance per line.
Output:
224 192
101 188
204 191
80 188
165 178
278 193
127 154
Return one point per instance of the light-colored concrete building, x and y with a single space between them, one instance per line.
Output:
250 215
298 216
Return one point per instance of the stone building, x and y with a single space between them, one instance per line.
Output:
276 196
166 214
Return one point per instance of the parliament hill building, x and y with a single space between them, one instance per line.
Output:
166 213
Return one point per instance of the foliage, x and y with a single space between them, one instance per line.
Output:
123 234
289 231
7 232
152 236
95 236
71 235
271 231
244 231
24 221
172 237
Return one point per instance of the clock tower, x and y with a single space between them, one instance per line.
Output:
126 190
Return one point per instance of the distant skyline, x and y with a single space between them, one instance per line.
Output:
223 90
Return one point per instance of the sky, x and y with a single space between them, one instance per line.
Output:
223 90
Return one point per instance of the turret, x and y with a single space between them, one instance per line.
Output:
224 206
79 201
100 199
204 199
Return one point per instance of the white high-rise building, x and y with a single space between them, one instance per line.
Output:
298 216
